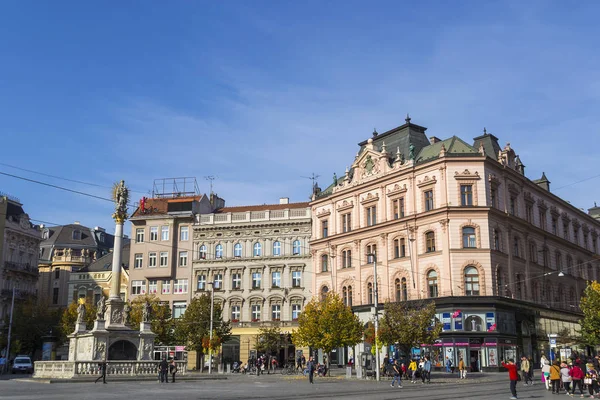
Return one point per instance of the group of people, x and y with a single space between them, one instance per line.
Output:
166 368
416 369
570 376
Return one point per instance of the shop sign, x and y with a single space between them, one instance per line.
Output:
446 320
475 343
458 324
179 348
461 343
489 321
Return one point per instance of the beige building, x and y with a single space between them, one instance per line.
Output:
66 249
19 251
257 260
93 281
504 259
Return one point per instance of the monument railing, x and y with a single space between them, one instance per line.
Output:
81 369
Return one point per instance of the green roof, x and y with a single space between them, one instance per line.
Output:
455 146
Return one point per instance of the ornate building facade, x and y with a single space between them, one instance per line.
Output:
66 249
504 259
257 261
19 251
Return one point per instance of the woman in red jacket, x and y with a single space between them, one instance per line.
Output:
513 375
577 375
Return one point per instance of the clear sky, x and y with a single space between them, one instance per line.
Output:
260 94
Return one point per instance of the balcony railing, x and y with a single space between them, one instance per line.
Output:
82 369
21 267
253 216
20 294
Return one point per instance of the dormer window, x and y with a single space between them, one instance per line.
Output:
76 234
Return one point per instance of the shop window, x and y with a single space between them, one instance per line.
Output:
474 323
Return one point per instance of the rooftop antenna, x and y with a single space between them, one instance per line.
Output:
211 179
313 178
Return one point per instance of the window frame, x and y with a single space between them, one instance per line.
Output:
183 256
184 233
154 233
164 255
469 239
430 242
164 233
138 260
432 284
466 195
276 248
237 250
152 259
140 235
471 281
428 198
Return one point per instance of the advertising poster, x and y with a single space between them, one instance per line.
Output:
446 320
458 323
492 357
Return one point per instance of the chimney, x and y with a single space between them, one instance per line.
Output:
434 139
99 229
284 200
77 223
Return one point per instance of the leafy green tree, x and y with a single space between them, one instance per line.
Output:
328 324
193 328
268 339
590 306
408 324
69 318
160 318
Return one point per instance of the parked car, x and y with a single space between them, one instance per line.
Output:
22 364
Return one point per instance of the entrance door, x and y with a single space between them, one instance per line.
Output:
474 360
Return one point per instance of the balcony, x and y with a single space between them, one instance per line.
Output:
21 268
253 216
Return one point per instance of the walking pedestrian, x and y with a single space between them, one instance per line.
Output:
513 376
397 374
173 369
577 374
412 370
426 373
299 363
102 376
163 366
525 370
591 379
311 369
462 369
448 364
555 377
565 377
545 364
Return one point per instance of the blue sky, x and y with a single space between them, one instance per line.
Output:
260 94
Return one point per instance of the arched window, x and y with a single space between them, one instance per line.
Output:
296 248
202 252
558 257
432 283
496 239
219 251
276 248
474 323
429 242
398 290
237 250
324 260
369 293
345 295
499 283
518 285
571 297
468 235
570 265
516 245
471 281
257 250
324 291
533 252
346 258
350 296
404 289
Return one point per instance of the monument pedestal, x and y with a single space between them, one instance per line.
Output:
115 316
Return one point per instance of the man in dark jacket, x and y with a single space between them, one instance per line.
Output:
311 369
163 368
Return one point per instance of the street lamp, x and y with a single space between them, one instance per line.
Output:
376 301
12 309
210 335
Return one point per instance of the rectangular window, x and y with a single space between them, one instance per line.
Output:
139 261
296 310
324 228
152 259
201 282
346 222
276 279
139 235
428 194
398 208
153 233
566 230
255 312
543 220
494 197
275 312
55 295
236 281
256 278
138 287
399 248
554 226
181 286
235 313
529 213
152 286
371 253
296 279
218 281
183 258
164 232
184 233
164 258
371 215
466 195
513 205
166 286
179 308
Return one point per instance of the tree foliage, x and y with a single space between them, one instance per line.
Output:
160 318
408 324
327 324
193 328
268 339
590 306
69 318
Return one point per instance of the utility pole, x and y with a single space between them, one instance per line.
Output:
12 309
376 301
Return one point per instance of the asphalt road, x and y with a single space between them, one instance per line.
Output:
276 387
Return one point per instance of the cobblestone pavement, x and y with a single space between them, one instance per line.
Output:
277 387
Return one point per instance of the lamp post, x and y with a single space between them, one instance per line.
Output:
376 302
210 335
12 309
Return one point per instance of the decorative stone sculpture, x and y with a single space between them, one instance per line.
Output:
121 197
81 313
101 306
146 312
126 314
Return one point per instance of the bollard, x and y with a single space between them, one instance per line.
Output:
228 368
348 372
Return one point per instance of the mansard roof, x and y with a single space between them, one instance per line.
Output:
454 146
